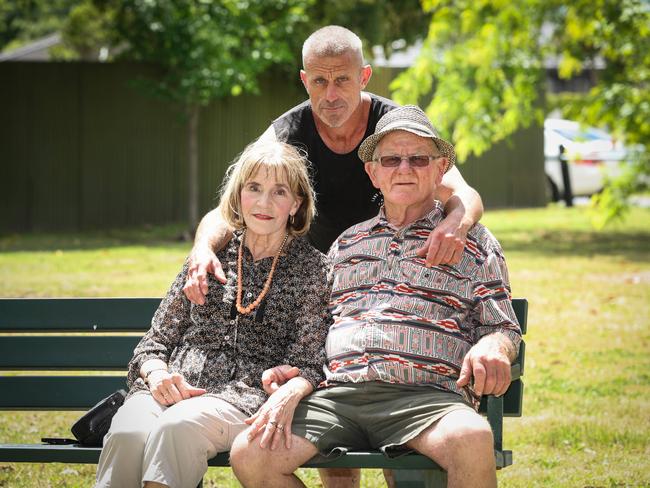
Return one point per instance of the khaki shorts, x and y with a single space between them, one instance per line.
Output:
371 415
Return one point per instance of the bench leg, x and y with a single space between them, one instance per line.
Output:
420 478
495 418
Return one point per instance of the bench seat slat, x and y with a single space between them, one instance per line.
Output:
66 352
90 455
44 453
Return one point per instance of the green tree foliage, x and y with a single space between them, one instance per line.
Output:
484 61
85 31
205 49
376 22
22 21
86 24
619 34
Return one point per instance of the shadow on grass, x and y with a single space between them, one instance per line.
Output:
633 246
150 236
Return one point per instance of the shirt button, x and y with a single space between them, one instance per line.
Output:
249 295
227 337
232 322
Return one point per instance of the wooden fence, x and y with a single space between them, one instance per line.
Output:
82 147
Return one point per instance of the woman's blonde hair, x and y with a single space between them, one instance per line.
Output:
288 163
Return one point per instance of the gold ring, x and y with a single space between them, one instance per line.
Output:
280 427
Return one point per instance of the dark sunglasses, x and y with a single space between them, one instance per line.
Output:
417 160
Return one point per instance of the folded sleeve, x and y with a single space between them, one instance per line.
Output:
492 311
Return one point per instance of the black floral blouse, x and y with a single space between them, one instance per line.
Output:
216 348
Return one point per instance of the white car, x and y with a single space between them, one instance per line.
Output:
592 153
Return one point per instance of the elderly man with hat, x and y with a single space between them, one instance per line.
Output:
412 348
329 126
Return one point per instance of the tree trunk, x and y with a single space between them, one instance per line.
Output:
193 166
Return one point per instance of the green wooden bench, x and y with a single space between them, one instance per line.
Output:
88 335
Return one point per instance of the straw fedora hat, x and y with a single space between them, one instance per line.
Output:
410 118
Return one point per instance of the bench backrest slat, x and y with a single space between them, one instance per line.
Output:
44 352
106 314
56 392
520 306
76 314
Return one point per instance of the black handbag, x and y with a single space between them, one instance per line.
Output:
91 428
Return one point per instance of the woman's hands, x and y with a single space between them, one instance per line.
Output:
273 419
169 388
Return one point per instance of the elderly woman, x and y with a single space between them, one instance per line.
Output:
195 377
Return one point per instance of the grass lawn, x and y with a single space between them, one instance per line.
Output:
586 419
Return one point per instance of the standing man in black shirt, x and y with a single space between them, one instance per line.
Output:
329 126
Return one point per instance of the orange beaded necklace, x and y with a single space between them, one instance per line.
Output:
248 309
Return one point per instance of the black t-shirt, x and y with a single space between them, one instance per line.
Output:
344 194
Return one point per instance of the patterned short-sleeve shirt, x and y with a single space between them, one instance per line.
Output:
399 321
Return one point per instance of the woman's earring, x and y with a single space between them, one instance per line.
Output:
291 219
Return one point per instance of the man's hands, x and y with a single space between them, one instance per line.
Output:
212 234
463 208
169 388
445 243
489 362
202 261
274 378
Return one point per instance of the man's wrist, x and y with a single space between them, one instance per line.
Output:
505 345
465 225
299 387
202 243
455 212
509 348
458 212
502 343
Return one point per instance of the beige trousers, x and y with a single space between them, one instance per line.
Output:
170 445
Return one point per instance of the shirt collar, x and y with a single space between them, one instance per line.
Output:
431 219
